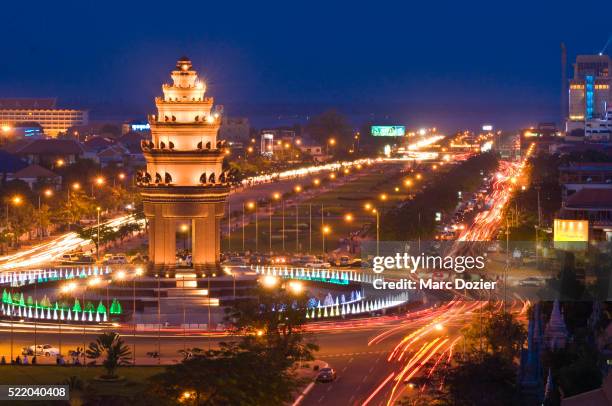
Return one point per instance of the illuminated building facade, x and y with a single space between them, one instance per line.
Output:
589 90
184 186
42 111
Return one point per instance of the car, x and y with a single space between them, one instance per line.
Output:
69 258
531 281
117 259
44 349
326 375
318 264
85 259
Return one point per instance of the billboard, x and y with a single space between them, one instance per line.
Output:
574 232
388 130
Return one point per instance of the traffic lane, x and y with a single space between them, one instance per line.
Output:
358 376
266 190
70 340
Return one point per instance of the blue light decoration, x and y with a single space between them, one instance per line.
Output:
589 91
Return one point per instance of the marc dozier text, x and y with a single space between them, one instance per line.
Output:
415 263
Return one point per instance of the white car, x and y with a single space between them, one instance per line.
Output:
119 259
318 265
44 349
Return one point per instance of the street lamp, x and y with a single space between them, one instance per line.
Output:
15 201
47 193
278 196
98 209
269 281
137 273
228 271
324 231
316 182
377 214
98 181
296 287
65 290
348 217
253 206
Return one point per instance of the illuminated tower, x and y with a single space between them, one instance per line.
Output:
184 186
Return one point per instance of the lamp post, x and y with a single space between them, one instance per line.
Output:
270 228
75 186
15 201
243 227
228 271
98 209
229 226
324 231
47 193
373 210
65 290
137 273
98 181
253 206
377 231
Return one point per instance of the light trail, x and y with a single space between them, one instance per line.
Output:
382 385
53 250
300 172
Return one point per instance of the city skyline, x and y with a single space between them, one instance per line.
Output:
427 67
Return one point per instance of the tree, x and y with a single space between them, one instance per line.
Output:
272 343
110 346
91 233
481 379
330 124
501 334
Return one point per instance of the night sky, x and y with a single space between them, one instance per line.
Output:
450 64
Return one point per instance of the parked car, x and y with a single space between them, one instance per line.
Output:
69 258
326 375
44 349
318 264
117 259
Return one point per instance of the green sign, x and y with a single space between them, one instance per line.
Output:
388 130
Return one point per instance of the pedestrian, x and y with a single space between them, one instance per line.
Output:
25 359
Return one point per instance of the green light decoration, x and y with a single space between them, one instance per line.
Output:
45 302
101 308
115 307
89 307
30 301
5 296
15 297
77 306
21 300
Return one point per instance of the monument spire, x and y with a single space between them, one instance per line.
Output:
184 186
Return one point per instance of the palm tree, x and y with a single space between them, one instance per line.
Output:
110 346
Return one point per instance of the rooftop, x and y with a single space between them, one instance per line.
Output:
46 146
35 171
587 166
28 104
590 199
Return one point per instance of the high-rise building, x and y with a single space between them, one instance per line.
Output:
53 120
184 187
589 90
